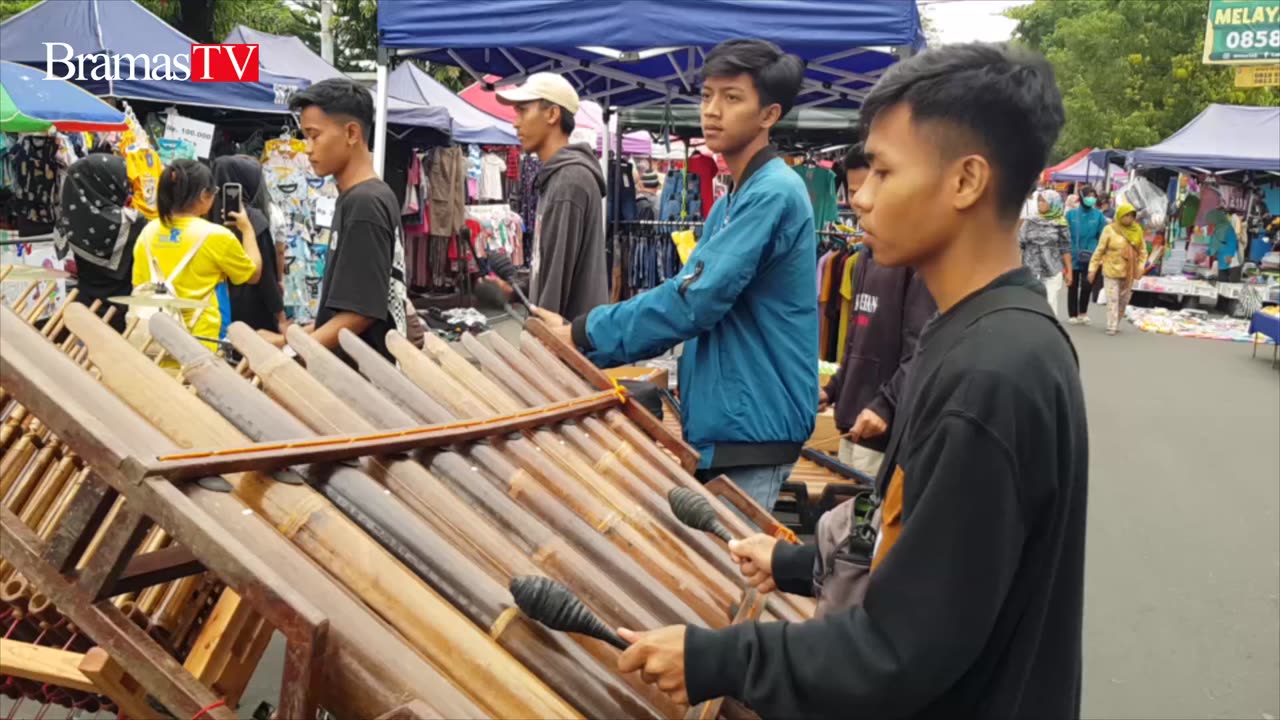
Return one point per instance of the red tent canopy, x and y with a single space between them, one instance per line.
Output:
1045 176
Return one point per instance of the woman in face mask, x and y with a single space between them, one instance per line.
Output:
259 305
100 229
1122 257
1085 224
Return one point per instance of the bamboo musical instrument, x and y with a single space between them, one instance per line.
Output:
693 510
555 606
368 669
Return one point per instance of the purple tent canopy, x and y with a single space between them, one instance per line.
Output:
1083 170
1223 137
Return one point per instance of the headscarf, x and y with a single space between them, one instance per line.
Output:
96 222
248 172
1054 200
1133 233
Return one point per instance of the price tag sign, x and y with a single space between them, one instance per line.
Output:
199 133
325 207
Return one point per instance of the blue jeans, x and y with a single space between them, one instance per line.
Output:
761 482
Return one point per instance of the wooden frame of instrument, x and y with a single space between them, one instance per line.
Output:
82 595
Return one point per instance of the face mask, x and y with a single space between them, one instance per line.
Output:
1090 201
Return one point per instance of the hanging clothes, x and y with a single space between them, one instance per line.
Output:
35 164
704 166
493 170
447 177
821 184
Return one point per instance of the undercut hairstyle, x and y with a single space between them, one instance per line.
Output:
855 158
341 98
567 123
997 100
776 75
181 184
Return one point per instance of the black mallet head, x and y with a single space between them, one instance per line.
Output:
555 606
693 510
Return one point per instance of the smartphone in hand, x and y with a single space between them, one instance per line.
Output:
232 200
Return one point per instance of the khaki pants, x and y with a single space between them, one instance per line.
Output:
1119 291
864 460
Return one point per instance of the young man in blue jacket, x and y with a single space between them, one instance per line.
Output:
745 304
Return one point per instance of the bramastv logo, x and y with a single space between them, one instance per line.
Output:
205 63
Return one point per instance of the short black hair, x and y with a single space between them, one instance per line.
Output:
1003 97
1088 191
339 97
181 184
855 158
776 75
567 123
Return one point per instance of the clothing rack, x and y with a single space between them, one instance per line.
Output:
682 223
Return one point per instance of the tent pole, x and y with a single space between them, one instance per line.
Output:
380 114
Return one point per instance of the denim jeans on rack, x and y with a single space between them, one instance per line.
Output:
673 192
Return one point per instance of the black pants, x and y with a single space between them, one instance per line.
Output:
1079 292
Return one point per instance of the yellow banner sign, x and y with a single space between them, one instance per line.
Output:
1254 76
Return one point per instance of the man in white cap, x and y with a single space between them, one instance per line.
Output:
568 274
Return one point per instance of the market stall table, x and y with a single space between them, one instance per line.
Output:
1267 324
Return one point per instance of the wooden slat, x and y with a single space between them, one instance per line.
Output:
113 682
44 665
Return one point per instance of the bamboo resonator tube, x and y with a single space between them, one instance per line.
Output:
368 670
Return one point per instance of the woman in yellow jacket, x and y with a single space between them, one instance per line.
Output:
1122 255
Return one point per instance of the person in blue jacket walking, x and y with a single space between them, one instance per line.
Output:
744 306
1085 223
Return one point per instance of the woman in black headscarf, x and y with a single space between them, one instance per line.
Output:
100 228
260 305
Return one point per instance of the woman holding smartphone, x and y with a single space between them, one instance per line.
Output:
196 258
260 304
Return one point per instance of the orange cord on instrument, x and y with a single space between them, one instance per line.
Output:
619 391
209 709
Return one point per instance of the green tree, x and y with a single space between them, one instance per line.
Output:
1130 70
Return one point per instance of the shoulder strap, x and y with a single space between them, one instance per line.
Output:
1009 297
191 253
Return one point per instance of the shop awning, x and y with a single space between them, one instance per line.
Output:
31 103
125 28
1223 137
645 52
1082 170
410 84
589 116
287 55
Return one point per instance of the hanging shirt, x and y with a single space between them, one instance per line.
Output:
35 160
705 167
144 167
821 184
492 171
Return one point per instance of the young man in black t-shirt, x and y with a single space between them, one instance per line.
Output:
364 280
975 599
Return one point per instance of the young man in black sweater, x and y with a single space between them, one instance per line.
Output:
976 592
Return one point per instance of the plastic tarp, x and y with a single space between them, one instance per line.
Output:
287 55
410 84
1223 137
820 124
1082 170
123 27
599 45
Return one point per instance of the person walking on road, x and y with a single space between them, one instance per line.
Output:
1085 223
1121 255
1046 247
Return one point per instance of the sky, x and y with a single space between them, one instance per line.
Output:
957 21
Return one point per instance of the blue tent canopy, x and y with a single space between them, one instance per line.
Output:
1082 170
120 28
601 47
1224 138
287 55
470 124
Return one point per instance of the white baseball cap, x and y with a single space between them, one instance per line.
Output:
542 86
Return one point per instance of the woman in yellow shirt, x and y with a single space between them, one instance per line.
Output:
193 255
1122 255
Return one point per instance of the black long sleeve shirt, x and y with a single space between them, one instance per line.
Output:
974 606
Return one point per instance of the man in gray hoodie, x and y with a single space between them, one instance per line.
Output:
568 274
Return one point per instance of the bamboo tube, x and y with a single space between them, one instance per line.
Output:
409 539
710 596
367 669
618 460
516 482
617 428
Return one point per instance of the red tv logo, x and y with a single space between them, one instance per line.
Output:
224 63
